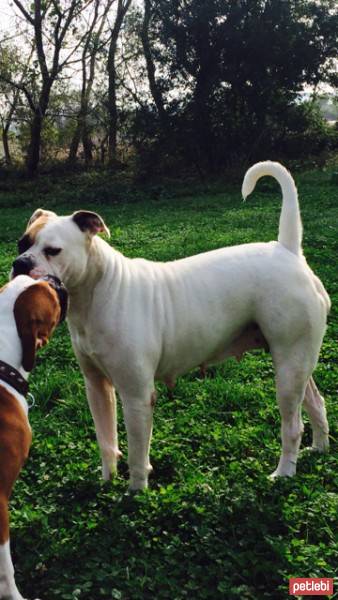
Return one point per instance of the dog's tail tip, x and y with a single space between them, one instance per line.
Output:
246 190
258 170
290 226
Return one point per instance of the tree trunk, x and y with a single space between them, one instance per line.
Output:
8 158
87 146
112 130
151 71
103 149
203 126
74 145
34 148
122 9
112 108
33 154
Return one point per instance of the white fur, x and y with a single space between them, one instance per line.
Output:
8 588
11 353
135 321
10 344
290 224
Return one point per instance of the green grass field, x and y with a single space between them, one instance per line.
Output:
212 525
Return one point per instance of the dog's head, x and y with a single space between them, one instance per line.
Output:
58 245
38 309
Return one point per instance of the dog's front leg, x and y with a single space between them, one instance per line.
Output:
138 416
8 588
102 403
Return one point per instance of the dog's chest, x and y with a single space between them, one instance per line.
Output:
85 339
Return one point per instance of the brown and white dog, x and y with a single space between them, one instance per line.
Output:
29 312
133 322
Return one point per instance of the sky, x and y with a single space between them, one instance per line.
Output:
6 13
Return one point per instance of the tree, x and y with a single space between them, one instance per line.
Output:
234 68
92 44
10 96
122 8
51 21
155 89
14 65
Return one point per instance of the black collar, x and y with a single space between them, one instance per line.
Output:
13 378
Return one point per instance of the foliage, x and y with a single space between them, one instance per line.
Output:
212 526
306 128
172 85
237 68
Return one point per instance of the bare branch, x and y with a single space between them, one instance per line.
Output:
133 93
25 13
39 41
20 87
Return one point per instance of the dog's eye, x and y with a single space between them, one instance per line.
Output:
49 251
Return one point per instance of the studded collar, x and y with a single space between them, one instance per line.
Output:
13 378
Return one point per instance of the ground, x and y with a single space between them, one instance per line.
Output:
212 525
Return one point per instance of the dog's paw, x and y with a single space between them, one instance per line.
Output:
137 485
320 449
109 465
286 472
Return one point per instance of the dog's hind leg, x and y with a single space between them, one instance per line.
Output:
290 387
315 407
138 416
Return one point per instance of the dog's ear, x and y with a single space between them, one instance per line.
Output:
37 312
40 212
29 346
90 222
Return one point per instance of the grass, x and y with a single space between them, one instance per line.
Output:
211 526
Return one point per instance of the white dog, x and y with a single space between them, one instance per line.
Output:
135 321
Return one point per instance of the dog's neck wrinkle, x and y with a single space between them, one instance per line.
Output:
81 295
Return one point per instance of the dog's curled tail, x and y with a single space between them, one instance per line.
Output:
290 224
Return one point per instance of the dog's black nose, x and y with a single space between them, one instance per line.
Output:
22 265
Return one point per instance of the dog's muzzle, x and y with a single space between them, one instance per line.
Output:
61 291
22 266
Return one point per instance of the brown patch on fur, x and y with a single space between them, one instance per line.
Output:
153 398
203 371
3 288
39 212
15 441
28 239
33 229
37 312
